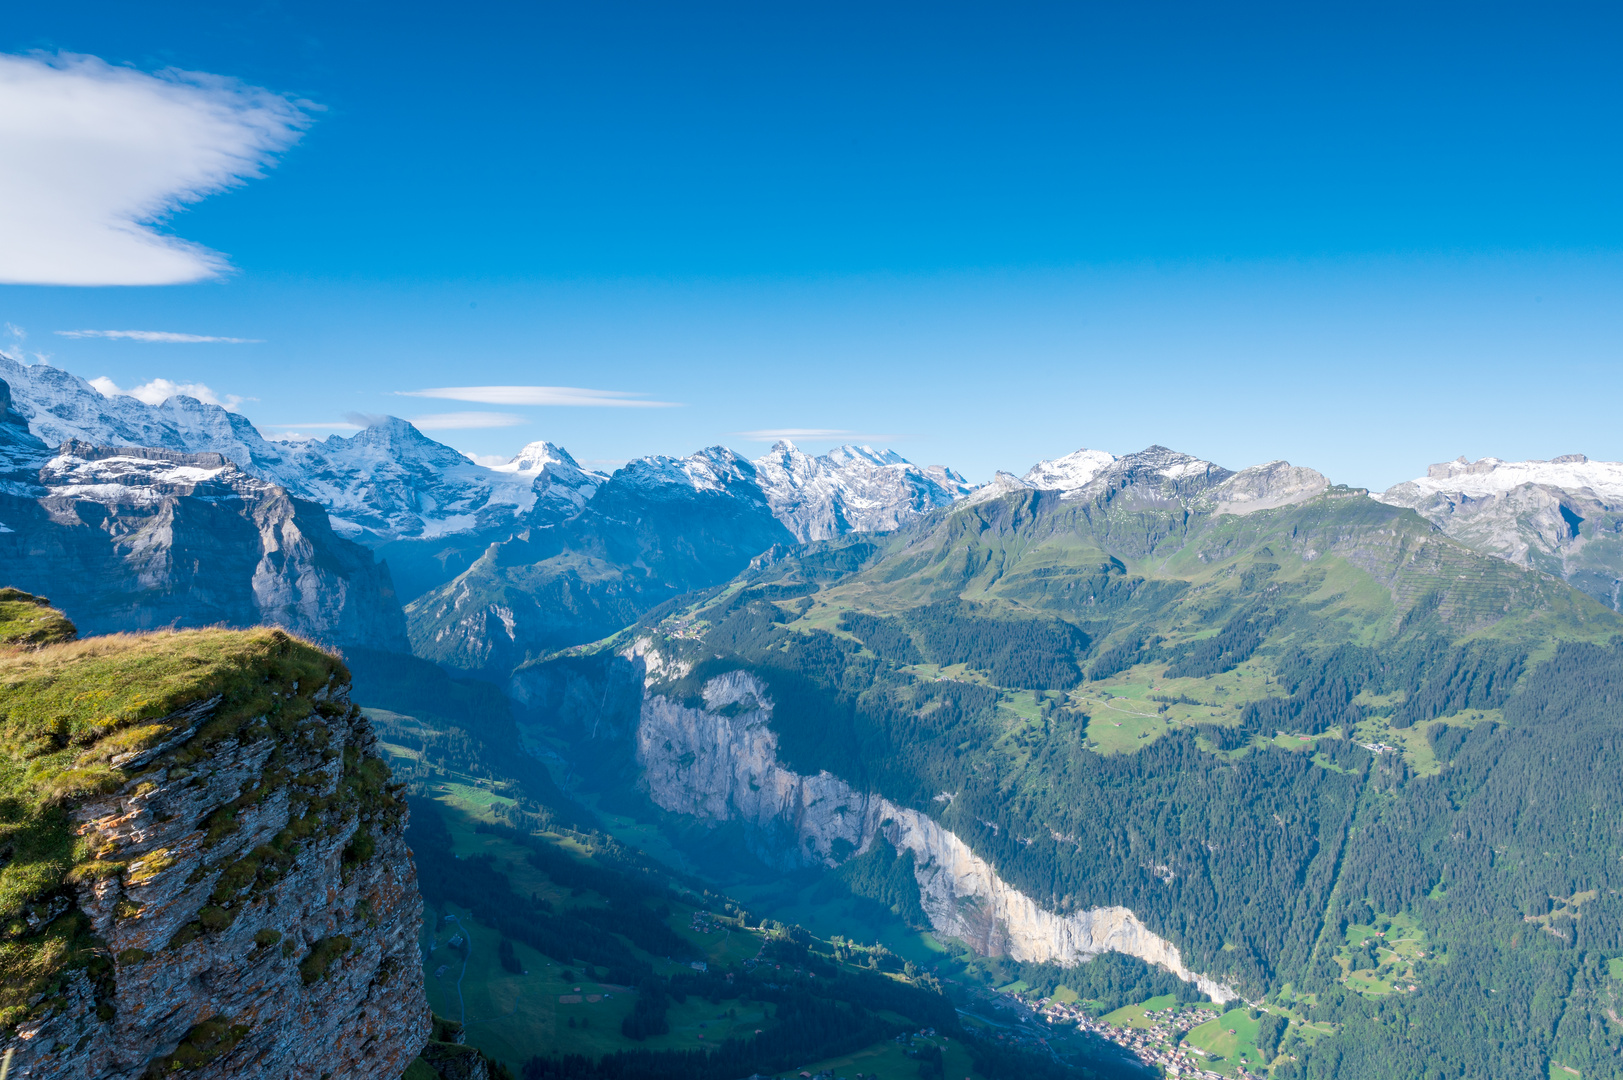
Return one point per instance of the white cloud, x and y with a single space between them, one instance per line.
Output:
454 421
812 435
489 461
160 335
96 155
159 391
540 395
336 425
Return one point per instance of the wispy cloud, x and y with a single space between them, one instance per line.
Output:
97 155
336 425
159 391
456 421
812 435
161 336
541 395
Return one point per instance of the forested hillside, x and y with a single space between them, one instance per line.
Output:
1274 737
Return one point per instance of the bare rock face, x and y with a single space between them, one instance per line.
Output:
129 538
1563 516
850 489
1267 486
719 763
254 909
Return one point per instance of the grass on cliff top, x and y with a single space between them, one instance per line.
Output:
28 620
66 710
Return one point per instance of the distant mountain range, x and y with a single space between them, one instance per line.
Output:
1237 724
493 564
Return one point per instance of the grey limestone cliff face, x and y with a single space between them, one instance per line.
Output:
233 952
1267 487
719 763
127 538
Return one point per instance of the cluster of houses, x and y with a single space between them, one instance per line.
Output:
1160 1043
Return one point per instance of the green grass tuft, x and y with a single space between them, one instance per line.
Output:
28 620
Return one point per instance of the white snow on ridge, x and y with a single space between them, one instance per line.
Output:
1068 473
714 468
850 489
1491 476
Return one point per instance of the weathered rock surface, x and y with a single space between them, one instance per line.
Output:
231 952
719 763
850 489
132 538
1268 486
1563 516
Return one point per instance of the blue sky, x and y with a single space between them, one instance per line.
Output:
1362 238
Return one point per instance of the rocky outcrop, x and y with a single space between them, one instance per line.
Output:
1267 487
249 907
719 763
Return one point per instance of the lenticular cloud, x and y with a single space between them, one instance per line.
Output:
92 156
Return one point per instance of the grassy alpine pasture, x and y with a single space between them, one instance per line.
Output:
1228 1042
1385 956
891 1061
1134 1015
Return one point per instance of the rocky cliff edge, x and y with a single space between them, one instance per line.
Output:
202 864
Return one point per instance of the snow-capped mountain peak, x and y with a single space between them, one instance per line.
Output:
536 456
713 469
850 489
1074 470
1493 476
1555 515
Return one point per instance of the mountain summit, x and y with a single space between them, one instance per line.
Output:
1562 516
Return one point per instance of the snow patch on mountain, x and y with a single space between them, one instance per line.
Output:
1074 470
390 481
1491 476
558 486
1563 516
850 489
382 483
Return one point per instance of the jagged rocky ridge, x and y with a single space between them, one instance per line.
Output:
718 763
386 482
1563 516
133 538
243 902
657 528
389 482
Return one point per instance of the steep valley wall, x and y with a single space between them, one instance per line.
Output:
719 763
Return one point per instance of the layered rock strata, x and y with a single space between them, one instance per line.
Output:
719 763
132 538
252 908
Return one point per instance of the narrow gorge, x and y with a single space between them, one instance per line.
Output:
719 763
